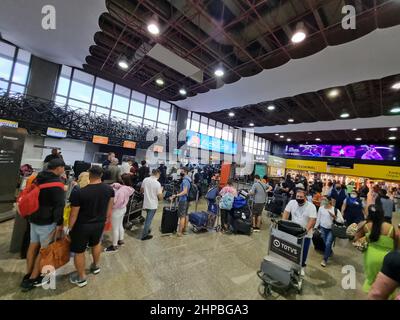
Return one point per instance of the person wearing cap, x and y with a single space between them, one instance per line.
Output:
45 222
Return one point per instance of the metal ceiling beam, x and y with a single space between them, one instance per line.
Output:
351 101
319 21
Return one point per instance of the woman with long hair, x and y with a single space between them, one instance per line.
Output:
381 238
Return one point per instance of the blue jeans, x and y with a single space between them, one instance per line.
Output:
307 242
147 223
327 236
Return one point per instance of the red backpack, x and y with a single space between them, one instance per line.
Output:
28 200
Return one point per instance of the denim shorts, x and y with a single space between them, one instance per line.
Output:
41 234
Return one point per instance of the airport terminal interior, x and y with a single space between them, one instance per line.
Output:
186 150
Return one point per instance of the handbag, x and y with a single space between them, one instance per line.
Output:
361 244
339 230
55 254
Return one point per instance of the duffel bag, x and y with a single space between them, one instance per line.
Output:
292 228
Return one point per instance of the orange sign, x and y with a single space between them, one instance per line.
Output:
129 144
100 140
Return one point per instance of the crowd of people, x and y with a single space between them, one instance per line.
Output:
99 198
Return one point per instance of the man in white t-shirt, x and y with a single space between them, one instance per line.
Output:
304 213
153 192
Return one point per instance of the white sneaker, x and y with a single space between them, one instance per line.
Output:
323 263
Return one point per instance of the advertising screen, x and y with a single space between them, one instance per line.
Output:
364 152
100 140
129 144
203 141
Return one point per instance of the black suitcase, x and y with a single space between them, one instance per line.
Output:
169 220
242 226
318 242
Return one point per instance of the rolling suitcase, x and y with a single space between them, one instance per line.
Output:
169 220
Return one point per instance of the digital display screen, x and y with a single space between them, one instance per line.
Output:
363 152
202 141
57 133
100 140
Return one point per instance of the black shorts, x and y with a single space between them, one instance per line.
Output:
391 266
84 235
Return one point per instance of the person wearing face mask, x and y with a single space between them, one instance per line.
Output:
338 195
327 214
305 214
327 189
353 209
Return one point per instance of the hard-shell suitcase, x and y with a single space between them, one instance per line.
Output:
169 220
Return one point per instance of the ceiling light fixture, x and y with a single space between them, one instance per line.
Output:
277 134
182 92
271 107
288 139
231 114
281 137
395 110
219 72
333 93
354 129
317 139
345 114
393 129
290 120
392 138
251 124
300 33
358 139
153 28
123 63
160 81
396 86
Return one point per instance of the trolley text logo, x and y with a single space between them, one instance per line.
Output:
286 249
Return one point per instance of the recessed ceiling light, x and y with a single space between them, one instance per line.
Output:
290 120
358 139
393 129
182 92
123 64
281 137
396 86
345 115
219 72
160 81
298 36
277 134
354 129
395 110
288 139
333 93
271 107
153 28
317 139
251 124
231 114
392 138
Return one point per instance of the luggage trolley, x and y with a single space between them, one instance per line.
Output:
281 268
133 215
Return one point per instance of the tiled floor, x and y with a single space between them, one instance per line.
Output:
198 266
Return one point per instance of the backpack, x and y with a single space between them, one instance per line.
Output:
28 200
226 202
193 192
212 193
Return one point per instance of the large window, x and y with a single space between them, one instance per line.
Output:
254 144
14 68
85 92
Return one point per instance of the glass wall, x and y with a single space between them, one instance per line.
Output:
100 97
254 144
209 127
14 68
